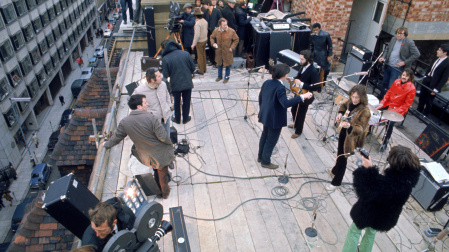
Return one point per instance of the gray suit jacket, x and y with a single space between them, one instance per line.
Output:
153 144
408 53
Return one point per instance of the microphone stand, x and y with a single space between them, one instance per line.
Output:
247 90
332 109
371 67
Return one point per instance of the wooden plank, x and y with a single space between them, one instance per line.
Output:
187 201
206 229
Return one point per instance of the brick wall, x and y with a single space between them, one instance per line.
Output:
332 15
421 10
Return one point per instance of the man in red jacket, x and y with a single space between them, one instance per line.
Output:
398 98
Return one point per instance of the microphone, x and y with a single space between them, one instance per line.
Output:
361 73
295 65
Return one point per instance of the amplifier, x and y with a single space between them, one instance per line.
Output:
432 196
68 201
179 233
290 58
361 52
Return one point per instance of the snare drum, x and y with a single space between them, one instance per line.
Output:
374 119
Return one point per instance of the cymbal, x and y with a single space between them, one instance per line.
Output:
392 116
373 109
346 84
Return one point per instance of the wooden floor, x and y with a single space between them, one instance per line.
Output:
231 203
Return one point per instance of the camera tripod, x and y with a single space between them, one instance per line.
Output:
177 38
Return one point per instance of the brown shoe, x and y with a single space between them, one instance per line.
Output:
270 166
291 126
294 136
218 79
259 160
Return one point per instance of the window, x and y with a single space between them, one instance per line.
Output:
37 25
71 39
48 67
56 33
43 46
35 55
62 27
45 19
51 13
4 89
10 118
67 22
28 32
58 8
33 88
378 12
63 4
23 105
26 65
21 7
17 41
66 45
2 25
61 52
8 13
6 51
15 76
41 1
31 4
41 77
55 59
50 39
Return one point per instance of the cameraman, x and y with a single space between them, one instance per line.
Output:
107 218
187 21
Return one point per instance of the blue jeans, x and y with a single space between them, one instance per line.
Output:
267 143
390 75
227 72
130 6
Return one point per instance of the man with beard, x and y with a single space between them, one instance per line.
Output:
307 75
398 98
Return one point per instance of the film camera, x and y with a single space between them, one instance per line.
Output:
148 228
174 17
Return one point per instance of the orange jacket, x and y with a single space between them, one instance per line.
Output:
399 97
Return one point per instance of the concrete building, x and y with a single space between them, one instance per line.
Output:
39 43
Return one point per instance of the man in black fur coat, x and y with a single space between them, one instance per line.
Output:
381 196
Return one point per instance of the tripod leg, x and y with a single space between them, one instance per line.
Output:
160 47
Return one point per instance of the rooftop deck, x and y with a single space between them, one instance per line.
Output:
231 203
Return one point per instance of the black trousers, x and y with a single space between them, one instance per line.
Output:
211 51
425 99
186 97
339 168
299 116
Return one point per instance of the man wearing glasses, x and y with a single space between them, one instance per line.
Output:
399 54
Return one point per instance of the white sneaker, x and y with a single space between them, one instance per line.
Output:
331 187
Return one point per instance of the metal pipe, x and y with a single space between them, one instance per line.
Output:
97 175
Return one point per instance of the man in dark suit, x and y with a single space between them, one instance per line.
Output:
212 15
307 75
321 47
399 54
273 104
435 79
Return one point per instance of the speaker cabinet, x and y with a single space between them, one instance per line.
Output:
68 201
151 32
358 61
431 195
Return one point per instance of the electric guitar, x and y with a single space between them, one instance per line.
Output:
344 118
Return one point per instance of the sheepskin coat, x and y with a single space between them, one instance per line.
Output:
381 197
359 125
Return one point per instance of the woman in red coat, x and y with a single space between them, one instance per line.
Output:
399 98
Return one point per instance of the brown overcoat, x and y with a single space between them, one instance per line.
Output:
225 40
359 121
152 142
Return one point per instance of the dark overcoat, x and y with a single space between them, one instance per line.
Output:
381 197
273 104
321 46
187 29
178 65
